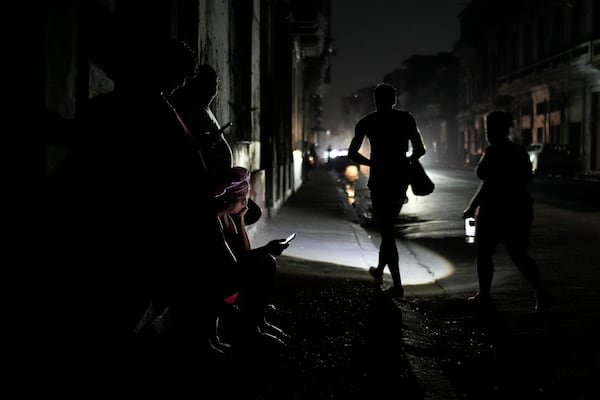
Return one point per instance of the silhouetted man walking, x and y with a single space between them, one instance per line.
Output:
389 132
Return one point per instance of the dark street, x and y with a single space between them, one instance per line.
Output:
349 341
126 120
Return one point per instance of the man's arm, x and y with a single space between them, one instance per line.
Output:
476 199
355 144
487 164
416 141
471 209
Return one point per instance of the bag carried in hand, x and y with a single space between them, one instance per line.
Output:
420 183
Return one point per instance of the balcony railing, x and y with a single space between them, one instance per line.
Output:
581 54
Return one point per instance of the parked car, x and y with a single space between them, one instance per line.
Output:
553 159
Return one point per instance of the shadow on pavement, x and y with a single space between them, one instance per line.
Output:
346 338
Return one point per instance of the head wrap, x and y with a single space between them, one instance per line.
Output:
235 182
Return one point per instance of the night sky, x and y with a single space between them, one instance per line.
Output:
373 37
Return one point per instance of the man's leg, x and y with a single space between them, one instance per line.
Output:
386 208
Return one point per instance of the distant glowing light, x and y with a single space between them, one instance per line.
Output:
351 173
336 153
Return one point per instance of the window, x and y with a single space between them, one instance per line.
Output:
541 108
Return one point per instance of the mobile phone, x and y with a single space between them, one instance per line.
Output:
222 129
289 238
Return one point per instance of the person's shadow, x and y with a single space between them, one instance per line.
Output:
384 353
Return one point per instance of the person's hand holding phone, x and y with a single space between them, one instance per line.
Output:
276 247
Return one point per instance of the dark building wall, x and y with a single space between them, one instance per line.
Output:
72 51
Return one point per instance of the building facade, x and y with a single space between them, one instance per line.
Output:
539 60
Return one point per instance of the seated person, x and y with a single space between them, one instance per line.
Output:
254 269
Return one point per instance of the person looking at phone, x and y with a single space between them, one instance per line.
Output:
253 270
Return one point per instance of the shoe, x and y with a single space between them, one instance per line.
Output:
275 331
376 274
272 308
259 337
394 291
271 338
479 299
216 345
267 327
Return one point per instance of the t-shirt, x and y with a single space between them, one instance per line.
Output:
389 132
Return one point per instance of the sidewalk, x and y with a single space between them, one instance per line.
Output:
325 223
